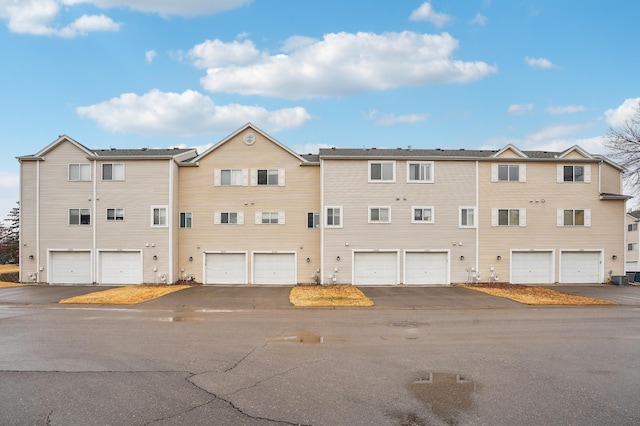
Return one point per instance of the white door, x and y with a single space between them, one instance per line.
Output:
274 268
120 267
426 268
225 268
532 267
580 267
71 267
375 268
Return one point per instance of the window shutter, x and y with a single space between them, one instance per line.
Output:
587 173
494 217
258 218
240 218
281 218
245 177
494 173
216 218
587 217
216 177
523 172
560 217
560 173
254 177
280 177
523 217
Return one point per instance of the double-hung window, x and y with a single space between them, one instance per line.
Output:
79 216
632 227
467 217
231 177
422 215
113 171
508 173
574 173
632 247
313 220
333 217
420 172
79 172
379 214
186 219
574 217
508 217
270 218
228 218
159 216
267 176
115 214
382 171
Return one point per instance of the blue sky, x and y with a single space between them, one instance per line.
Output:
540 74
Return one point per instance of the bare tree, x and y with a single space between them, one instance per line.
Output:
624 145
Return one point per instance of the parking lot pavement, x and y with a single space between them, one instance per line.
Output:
622 295
227 297
43 294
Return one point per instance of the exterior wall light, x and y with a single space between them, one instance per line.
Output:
338 258
499 257
190 258
614 257
461 257
308 259
155 257
30 257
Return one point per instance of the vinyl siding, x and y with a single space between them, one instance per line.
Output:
28 210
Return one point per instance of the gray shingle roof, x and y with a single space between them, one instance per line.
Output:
142 152
426 153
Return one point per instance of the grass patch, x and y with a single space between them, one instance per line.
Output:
6 269
322 296
531 295
130 295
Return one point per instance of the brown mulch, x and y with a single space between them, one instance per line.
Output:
325 296
130 295
533 295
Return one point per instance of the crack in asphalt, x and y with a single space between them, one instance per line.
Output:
244 357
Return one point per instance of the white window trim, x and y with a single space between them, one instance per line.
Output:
180 220
319 220
587 218
432 169
326 217
388 208
433 214
522 172
475 216
522 217
392 162
281 218
79 217
112 179
560 173
80 165
116 209
166 209
217 218
254 177
217 177
632 246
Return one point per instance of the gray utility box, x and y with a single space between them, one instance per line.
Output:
620 279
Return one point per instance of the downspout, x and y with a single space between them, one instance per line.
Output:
477 219
322 221
94 254
170 222
38 278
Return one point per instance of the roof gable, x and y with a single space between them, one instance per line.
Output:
575 152
510 151
63 139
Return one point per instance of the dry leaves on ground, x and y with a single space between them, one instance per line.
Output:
532 295
323 296
130 295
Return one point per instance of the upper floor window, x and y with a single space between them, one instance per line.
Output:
230 177
266 218
574 217
632 247
379 214
508 173
632 227
313 220
186 219
113 171
115 214
467 217
79 172
422 215
508 217
382 171
420 172
79 216
333 217
158 216
267 176
228 218
574 173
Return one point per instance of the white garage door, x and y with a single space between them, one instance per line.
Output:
579 267
120 267
71 267
226 268
274 268
426 268
532 267
377 268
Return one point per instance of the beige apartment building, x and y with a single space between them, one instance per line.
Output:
249 210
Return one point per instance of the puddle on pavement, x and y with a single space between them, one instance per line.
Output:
448 395
183 319
298 337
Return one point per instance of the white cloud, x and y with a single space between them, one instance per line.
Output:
338 65
150 55
391 119
569 109
88 23
479 19
168 8
619 116
309 148
542 63
215 53
556 131
184 114
520 109
426 13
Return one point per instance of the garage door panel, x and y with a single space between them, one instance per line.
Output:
226 268
532 267
426 268
376 268
274 268
579 267
120 267
71 267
